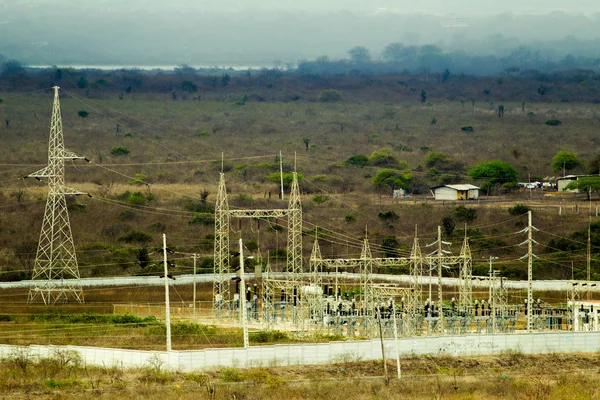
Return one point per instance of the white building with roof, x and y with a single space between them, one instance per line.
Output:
456 192
562 183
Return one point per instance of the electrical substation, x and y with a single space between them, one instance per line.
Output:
313 294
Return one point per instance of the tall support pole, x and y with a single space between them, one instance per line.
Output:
366 277
281 172
167 302
243 312
529 271
385 370
314 294
268 293
398 367
589 261
414 295
194 299
493 299
465 296
55 260
294 255
315 264
221 287
572 298
440 289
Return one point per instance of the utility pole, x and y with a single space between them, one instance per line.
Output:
281 172
490 277
529 271
243 311
589 261
396 339
385 370
194 285
167 303
493 300
440 290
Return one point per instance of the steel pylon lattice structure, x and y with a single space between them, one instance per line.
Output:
465 294
366 277
416 270
294 255
222 270
55 259
222 284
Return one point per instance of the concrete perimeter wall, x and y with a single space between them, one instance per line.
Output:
322 353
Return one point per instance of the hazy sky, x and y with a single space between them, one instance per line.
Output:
251 32
458 7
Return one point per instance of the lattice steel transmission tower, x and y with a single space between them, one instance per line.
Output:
366 278
222 284
416 270
314 294
55 260
315 265
465 294
294 255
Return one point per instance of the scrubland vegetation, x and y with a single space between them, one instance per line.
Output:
155 144
511 375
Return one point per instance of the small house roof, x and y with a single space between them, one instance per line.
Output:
464 186
569 177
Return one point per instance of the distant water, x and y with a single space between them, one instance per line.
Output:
155 67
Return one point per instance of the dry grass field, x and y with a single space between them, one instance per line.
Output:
507 376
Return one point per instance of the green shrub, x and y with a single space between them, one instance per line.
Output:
92 318
83 113
278 254
127 215
390 244
330 95
388 215
350 218
57 384
467 128
274 228
202 219
269 337
5 318
118 151
189 86
139 179
288 177
553 122
448 224
136 236
358 160
74 207
391 178
157 226
320 198
519 209
230 375
436 159
135 198
464 214
384 158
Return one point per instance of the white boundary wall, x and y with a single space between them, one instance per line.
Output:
323 353
549 285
